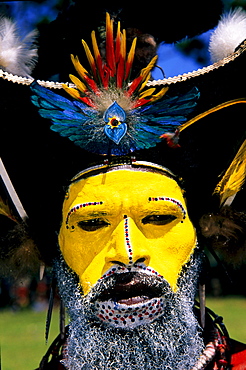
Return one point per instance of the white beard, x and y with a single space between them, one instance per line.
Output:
171 342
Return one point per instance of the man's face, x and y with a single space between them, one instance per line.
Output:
127 236
124 221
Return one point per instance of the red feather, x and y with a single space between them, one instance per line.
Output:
118 45
110 56
134 85
140 102
91 84
88 101
120 73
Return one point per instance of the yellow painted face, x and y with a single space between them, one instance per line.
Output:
126 218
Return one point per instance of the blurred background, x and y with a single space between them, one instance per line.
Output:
24 303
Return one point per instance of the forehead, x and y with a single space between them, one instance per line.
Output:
124 183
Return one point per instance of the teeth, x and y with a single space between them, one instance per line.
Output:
133 300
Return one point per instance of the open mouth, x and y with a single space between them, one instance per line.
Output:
130 289
132 301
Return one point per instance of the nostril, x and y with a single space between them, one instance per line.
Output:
140 260
118 263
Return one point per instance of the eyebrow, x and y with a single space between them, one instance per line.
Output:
168 199
80 206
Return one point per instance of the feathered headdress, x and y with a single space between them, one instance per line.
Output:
110 115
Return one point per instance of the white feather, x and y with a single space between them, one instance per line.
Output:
18 55
230 32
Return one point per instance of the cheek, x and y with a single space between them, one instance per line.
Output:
79 249
170 252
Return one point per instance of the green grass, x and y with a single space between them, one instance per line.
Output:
23 338
22 333
233 311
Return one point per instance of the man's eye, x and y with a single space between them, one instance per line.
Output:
158 219
93 224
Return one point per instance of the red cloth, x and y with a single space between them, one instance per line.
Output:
238 357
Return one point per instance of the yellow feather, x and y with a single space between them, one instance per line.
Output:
89 55
148 92
132 51
212 110
95 45
118 41
109 23
79 68
145 71
78 83
160 94
123 44
118 30
234 177
5 210
73 92
142 86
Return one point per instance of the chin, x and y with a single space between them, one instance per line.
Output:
132 321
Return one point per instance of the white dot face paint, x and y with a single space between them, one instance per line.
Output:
129 316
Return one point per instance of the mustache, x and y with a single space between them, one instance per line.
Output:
122 285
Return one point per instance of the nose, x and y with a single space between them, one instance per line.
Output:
128 246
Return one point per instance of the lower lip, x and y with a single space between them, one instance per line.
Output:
136 311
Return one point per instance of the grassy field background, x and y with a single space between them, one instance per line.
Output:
22 333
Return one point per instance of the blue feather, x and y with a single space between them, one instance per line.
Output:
67 130
149 128
185 103
48 99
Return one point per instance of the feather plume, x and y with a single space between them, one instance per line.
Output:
234 178
212 110
79 84
6 210
110 53
130 58
225 233
79 68
19 253
230 32
17 55
98 60
90 58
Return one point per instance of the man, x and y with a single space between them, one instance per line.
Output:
128 274
129 262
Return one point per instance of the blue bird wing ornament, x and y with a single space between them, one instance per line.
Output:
72 119
163 119
108 114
